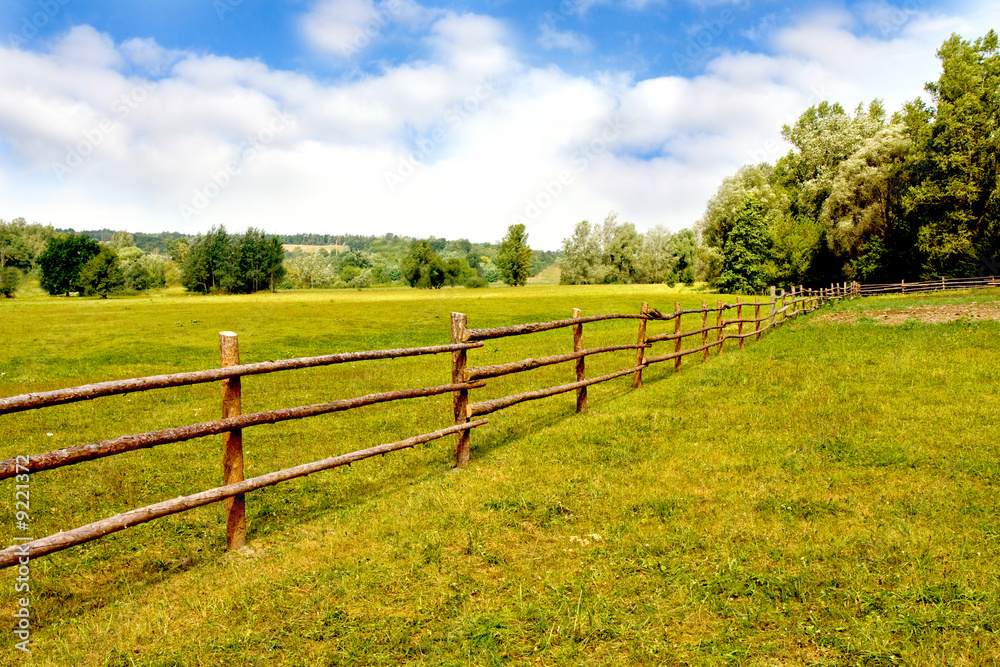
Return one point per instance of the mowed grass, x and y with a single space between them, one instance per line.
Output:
826 496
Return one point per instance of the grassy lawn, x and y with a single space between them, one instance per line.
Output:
825 497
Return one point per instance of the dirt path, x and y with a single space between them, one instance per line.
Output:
972 311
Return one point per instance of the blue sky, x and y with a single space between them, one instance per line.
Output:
451 119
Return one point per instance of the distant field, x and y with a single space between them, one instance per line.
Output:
548 276
288 247
827 496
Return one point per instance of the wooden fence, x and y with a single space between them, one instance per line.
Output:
464 378
904 287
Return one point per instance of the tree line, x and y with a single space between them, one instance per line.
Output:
106 262
614 252
868 197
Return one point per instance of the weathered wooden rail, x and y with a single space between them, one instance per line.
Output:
467 415
944 284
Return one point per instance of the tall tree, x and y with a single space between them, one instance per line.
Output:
955 200
581 254
209 262
864 204
746 251
62 260
515 257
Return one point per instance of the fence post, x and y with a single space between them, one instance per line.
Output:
459 325
704 327
739 319
677 330
756 315
232 443
581 369
774 302
718 323
640 354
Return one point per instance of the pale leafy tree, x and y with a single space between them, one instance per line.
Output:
823 137
657 262
756 181
622 254
310 270
514 258
865 194
581 253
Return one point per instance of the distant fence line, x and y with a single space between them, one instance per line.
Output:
944 284
780 307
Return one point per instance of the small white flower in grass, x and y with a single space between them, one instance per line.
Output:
49 434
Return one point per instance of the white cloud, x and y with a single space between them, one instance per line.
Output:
347 27
549 38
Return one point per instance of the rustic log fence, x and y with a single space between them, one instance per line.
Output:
941 285
468 415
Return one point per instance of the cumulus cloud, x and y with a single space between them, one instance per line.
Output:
460 143
347 27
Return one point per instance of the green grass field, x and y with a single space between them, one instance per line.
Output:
825 497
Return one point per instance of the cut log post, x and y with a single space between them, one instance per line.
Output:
677 330
459 360
581 368
739 319
756 315
232 443
719 325
640 354
774 303
704 327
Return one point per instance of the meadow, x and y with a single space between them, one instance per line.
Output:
825 497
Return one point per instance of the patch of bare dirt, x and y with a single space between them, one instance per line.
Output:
989 310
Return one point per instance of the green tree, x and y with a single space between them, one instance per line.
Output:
10 279
423 267
746 251
955 199
62 260
685 249
209 262
101 274
514 258
759 182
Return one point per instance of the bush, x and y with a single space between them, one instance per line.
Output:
10 278
101 275
476 282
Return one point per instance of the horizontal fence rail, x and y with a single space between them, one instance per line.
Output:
752 319
100 389
128 443
944 284
92 531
